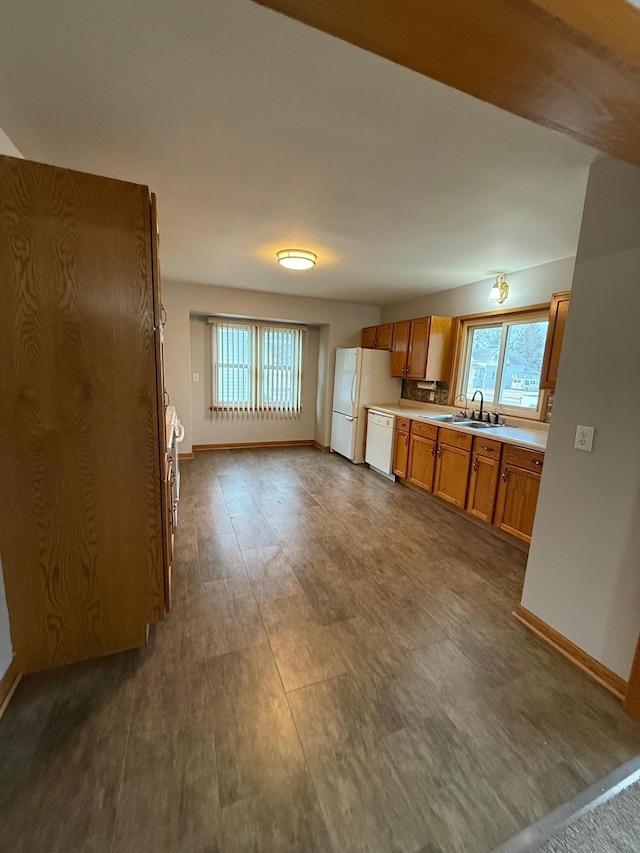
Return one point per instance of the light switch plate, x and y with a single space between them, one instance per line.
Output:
584 438
196 377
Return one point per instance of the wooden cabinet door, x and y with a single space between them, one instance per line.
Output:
369 337
422 461
418 347
452 474
82 542
400 453
483 487
438 366
517 499
400 348
555 335
384 336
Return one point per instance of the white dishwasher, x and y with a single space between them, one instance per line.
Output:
380 430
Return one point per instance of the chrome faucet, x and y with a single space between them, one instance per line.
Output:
481 402
466 403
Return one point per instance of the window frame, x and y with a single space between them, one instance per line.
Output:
256 404
505 317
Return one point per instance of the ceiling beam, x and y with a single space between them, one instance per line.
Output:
571 65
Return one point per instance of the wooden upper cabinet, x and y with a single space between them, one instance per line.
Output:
400 348
418 348
429 352
555 335
369 337
384 336
378 337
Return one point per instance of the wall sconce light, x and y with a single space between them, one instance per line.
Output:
500 290
297 259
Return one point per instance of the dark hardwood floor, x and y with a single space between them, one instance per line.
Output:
340 672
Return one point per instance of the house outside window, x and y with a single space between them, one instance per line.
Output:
502 358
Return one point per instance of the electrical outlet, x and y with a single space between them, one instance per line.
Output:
584 438
196 377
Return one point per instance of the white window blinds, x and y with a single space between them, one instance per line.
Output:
257 369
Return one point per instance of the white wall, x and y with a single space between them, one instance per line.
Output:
6 652
526 287
209 430
341 321
583 575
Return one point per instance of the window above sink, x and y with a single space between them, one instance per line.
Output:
502 358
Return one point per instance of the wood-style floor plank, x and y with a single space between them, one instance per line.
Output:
340 671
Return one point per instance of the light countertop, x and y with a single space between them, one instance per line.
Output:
524 436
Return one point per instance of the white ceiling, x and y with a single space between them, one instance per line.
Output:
258 133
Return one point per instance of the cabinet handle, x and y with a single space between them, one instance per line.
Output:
504 475
433 449
536 462
406 440
163 315
475 465
439 453
488 449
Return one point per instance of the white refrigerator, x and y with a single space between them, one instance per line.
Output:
362 378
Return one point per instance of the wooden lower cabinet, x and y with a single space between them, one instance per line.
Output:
422 461
494 482
485 474
452 474
483 487
518 491
401 453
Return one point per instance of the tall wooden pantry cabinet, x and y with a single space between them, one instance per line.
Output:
82 535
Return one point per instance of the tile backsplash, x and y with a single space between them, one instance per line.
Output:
440 395
410 391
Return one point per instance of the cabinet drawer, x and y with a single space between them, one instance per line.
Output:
530 460
487 447
403 424
424 430
455 439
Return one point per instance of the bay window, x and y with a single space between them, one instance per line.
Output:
257 368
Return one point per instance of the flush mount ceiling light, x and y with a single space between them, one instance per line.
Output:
499 291
297 259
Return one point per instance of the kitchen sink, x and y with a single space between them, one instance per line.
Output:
447 419
478 425
456 419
